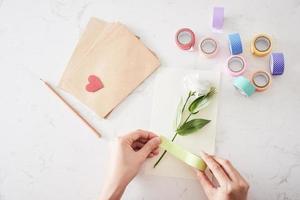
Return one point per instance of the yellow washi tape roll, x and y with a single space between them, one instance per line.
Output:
261 45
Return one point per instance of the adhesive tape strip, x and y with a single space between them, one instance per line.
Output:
218 18
244 86
235 44
277 63
209 46
261 45
236 65
261 80
185 38
182 154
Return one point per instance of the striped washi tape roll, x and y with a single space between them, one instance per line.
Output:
261 45
236 65
235 44
244 86
185 38
277 63
261 80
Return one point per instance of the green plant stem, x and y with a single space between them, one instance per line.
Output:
188 118
165 151
186 101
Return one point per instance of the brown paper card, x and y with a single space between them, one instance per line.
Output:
116 56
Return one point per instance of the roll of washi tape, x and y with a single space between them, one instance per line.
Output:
277 63
235 44
261 80
182 154
261 45
236 65
209 46
185 38
244 86
218 18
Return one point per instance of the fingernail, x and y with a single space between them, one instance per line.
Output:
157 139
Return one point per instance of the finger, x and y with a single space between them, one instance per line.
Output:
150 146
143 140
150 155
151 134
207 185
230 170
155 151
137 145
216 169
139 134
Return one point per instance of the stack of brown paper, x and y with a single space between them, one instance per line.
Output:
113 54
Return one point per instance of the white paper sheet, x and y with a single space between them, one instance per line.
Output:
168 90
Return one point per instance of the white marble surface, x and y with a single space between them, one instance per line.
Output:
48 153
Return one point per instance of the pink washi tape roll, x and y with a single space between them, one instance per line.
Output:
209 46
236 65
185 38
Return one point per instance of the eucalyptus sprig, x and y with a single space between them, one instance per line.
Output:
188 126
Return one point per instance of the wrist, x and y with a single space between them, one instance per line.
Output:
114 189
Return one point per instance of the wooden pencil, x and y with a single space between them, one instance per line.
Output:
72 108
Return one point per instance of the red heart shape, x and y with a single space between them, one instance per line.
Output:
94 84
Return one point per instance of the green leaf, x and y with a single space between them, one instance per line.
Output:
197 104
201 101
192 126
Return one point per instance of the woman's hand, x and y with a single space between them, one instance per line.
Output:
232 186
129 154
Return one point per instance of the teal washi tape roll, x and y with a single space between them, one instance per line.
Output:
244 86
235 44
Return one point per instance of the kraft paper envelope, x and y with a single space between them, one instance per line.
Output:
112 53
168 90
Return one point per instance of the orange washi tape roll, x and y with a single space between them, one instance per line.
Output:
261 80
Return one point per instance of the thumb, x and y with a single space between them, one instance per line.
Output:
150 146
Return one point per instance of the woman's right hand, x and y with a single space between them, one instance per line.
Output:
231 185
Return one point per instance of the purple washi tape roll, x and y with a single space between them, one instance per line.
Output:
218 18
277 63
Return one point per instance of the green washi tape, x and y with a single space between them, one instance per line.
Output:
182 154
244 86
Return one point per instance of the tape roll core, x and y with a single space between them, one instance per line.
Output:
185 38
261 80
208 46
235 64
262 43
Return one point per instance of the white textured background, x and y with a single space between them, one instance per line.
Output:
48 153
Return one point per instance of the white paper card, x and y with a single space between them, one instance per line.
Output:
168 89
